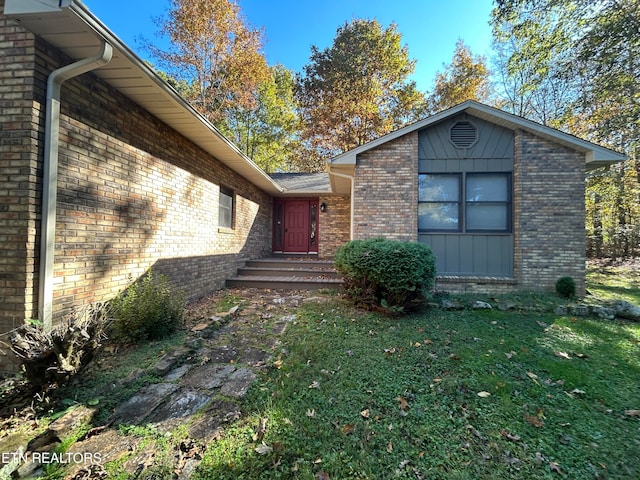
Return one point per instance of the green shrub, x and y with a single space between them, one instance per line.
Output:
386 274
566 287
147 310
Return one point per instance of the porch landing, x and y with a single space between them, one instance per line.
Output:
287 272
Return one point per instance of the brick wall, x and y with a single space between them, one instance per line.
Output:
549 214
386 191
132 193
334 225
19 169
548 190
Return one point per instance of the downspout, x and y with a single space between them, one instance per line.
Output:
352 180
50 174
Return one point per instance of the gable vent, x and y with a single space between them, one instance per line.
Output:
463 134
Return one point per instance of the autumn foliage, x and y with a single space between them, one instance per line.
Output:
216 53
358 89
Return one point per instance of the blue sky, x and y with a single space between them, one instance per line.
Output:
430 28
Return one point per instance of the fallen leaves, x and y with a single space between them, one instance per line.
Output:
315 384
261 430
263 449
533 377
365 413
509 436
563 355
534 421
555 467
632 413
510 459
404 405
348 429
484 394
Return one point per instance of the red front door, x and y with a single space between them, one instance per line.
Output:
295 225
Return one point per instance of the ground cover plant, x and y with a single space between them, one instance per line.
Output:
148 309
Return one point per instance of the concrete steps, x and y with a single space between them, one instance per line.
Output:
287 273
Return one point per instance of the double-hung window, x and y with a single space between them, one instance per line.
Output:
225 208
464 202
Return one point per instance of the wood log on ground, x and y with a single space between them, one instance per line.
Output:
55 356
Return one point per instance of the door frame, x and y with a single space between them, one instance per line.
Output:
279 226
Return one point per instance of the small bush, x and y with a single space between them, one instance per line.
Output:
566 287
147 310
386 274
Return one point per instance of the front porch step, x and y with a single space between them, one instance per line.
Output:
278 272
288 263
298 273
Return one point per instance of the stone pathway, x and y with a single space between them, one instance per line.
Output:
201 391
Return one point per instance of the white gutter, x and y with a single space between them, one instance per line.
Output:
50 175
352 180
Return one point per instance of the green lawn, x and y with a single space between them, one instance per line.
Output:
470 394
456 395
610 282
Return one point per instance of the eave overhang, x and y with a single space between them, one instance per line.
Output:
595 155
70 27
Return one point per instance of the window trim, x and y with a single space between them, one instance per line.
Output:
228 192
463 202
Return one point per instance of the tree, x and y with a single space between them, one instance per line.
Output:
591 49
465 78
215 52
268 133
534 77
357 89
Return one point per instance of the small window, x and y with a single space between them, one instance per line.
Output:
463 134
225 209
